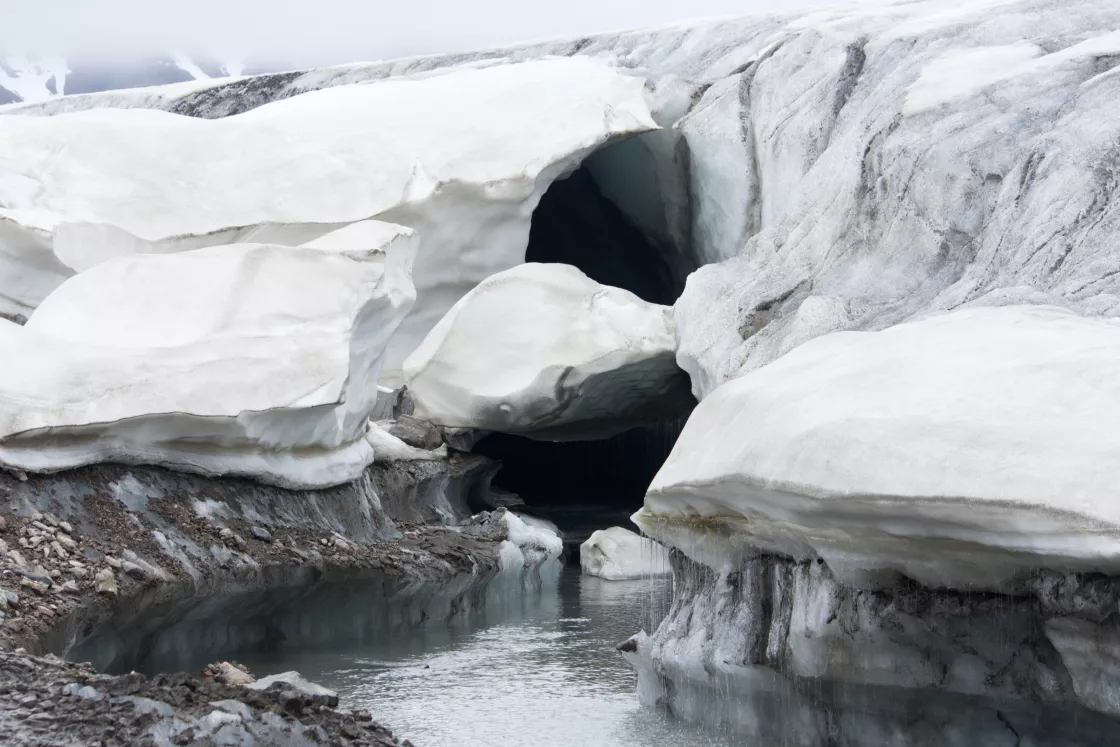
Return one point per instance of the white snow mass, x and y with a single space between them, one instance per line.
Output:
545 351
964 451
255 360
462 158
617 554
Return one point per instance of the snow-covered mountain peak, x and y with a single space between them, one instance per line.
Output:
24 78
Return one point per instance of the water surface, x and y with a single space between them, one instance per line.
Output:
541 669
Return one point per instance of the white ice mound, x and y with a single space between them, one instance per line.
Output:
964 451
532 542
545 351
463 158
617 554
251 360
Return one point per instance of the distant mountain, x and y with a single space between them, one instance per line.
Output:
27 79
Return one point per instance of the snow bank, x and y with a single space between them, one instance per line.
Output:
545 351
253 360
617 554
463 158
964 451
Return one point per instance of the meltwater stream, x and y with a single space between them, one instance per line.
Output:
542 670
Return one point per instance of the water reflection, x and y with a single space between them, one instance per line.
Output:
504 667
352 610
544 671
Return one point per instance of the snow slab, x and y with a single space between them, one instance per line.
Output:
617 554
252 360
964 451
463 158
543 350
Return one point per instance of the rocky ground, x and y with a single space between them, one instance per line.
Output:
47 701
63 573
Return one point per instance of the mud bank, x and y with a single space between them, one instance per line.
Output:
121 566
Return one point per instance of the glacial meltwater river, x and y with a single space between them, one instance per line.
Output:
539 670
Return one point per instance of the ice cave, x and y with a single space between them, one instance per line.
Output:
582 484
741 382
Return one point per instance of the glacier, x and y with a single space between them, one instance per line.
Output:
926 507
897 221
576 360
462 158
250 360
798 150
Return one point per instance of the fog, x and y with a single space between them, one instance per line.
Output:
310 32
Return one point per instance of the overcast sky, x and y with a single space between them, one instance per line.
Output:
307 32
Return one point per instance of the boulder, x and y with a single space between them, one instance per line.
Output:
229 673
416 432
105 582
293 684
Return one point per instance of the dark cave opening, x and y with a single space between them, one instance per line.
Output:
582 486
588 485
574 224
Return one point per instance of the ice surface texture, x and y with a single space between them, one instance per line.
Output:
849 167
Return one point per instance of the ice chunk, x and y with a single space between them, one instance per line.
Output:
617 554
531 543
543 350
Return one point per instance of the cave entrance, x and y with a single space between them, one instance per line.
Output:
575 224
582 486
587 485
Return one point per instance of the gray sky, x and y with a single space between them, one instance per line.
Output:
308 32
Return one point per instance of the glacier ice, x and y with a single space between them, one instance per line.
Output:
900 160
783 652
462 158
963 451
544 351
849 167
252 359
617 554
842 170
531 543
